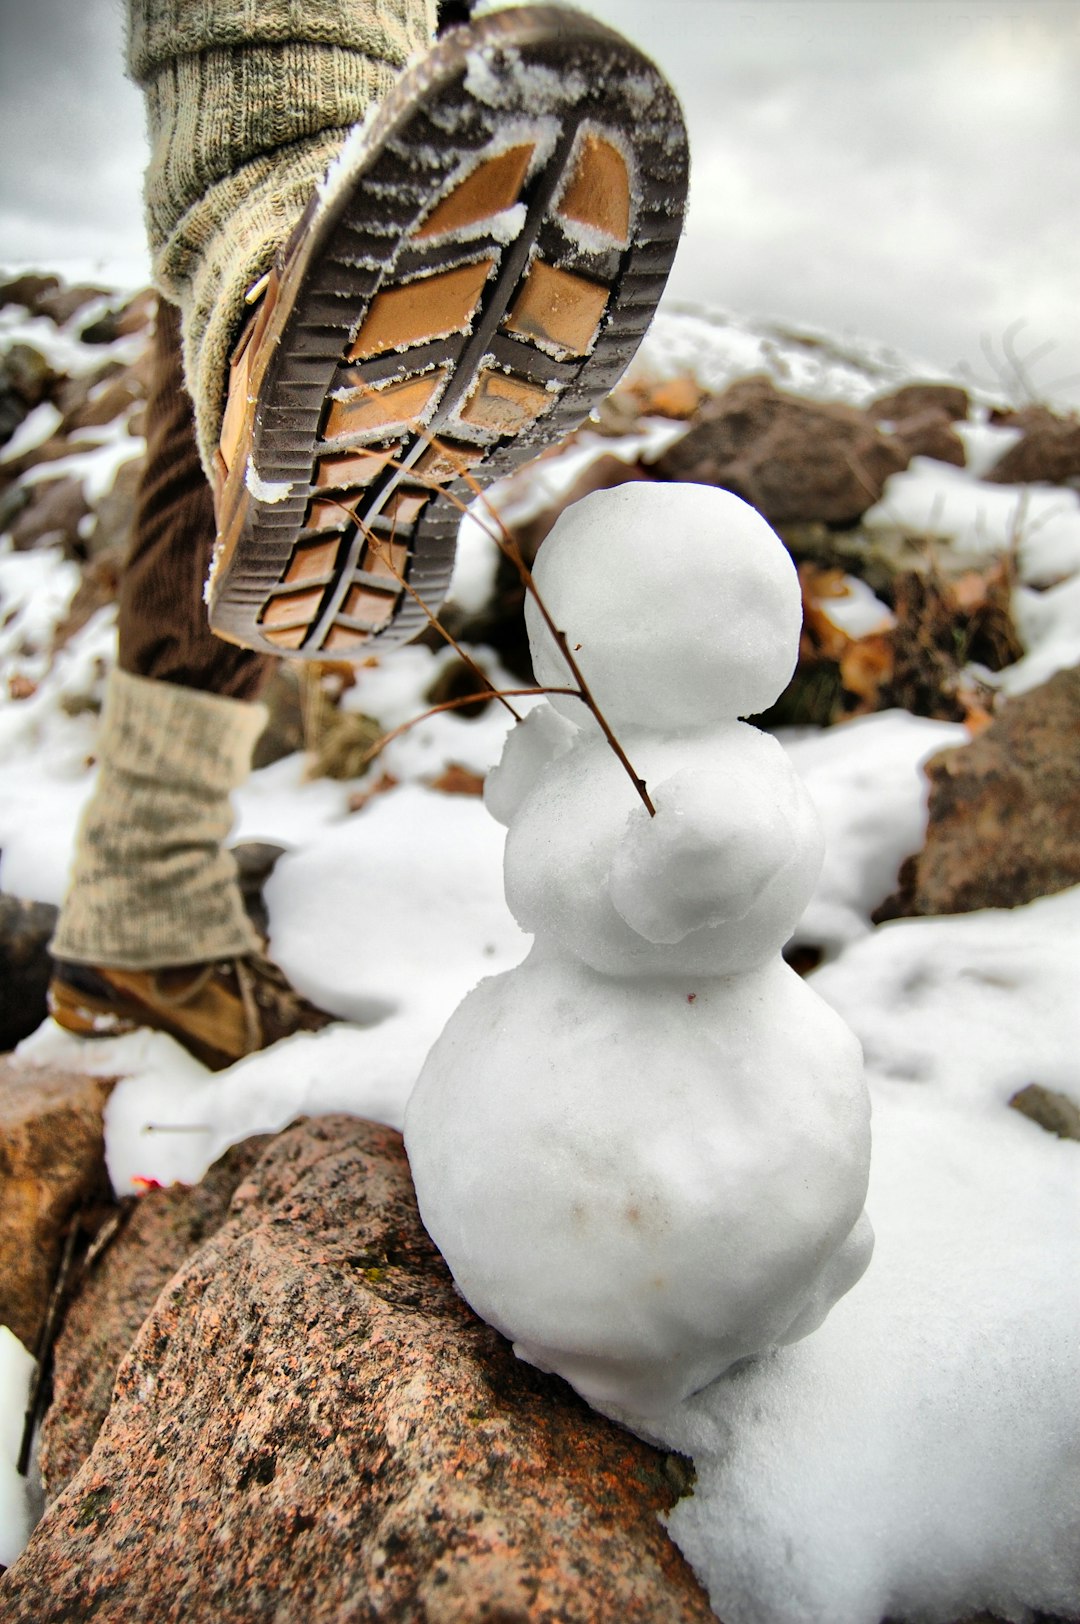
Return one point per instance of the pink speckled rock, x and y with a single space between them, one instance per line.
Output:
311 1425
52 1162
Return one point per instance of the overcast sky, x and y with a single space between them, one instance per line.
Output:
905 170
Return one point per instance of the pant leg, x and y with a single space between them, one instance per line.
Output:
247 102
162 626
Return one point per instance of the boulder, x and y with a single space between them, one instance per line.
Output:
104 403
52 516
795 460
25 967
26 379
311 1424
52 1161
1047 454
913 399
100 585
62 303
133 317
160 1232
27 289
930 433
1004 825
114 511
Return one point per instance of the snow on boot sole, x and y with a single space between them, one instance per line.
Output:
468 283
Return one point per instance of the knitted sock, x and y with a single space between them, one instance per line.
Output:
152 884
247 102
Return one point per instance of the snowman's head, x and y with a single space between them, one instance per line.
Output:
680 603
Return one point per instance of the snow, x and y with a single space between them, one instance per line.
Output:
717 346
36 427
16 1372
620 559
981 521
915 1457
271 491
871 797
1049 626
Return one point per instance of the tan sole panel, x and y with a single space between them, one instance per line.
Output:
421 311
354 469
312 561
501 404
396 406
558 309
598 193
490 188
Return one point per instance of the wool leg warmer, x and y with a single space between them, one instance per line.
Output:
152 883
247 102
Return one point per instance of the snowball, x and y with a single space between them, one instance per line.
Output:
642 1183
568 879
530 747
680 604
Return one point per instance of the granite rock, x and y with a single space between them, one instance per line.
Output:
1048 452
1004 824
160 1231
26 929
311 1424
52 1161
795 460
913 399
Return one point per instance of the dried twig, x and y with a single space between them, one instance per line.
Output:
510 550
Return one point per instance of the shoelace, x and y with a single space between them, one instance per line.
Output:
247 984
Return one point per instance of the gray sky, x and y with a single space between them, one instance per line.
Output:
905 170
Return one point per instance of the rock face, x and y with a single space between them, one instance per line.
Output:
25 967
913 399
930 434
1048 453
1004 822
792 459
312 1425
52 1159
160 1234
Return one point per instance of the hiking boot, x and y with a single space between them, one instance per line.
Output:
219 1012
465 286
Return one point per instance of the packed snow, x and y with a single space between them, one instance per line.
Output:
676 1130
918 1456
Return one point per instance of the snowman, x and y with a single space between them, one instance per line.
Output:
644 1152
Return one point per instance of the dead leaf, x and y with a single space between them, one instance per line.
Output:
458 780
360 798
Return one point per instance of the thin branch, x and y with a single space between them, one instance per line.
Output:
456 704
510 550
376 543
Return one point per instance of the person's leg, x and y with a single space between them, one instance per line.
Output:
246 106
154 926
475 265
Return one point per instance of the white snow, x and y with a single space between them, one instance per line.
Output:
980 521
865 781
16 1372
36 427
271 491
917 1456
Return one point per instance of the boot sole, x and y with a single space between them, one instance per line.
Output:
466 287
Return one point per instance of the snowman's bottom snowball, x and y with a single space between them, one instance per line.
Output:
641 1183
